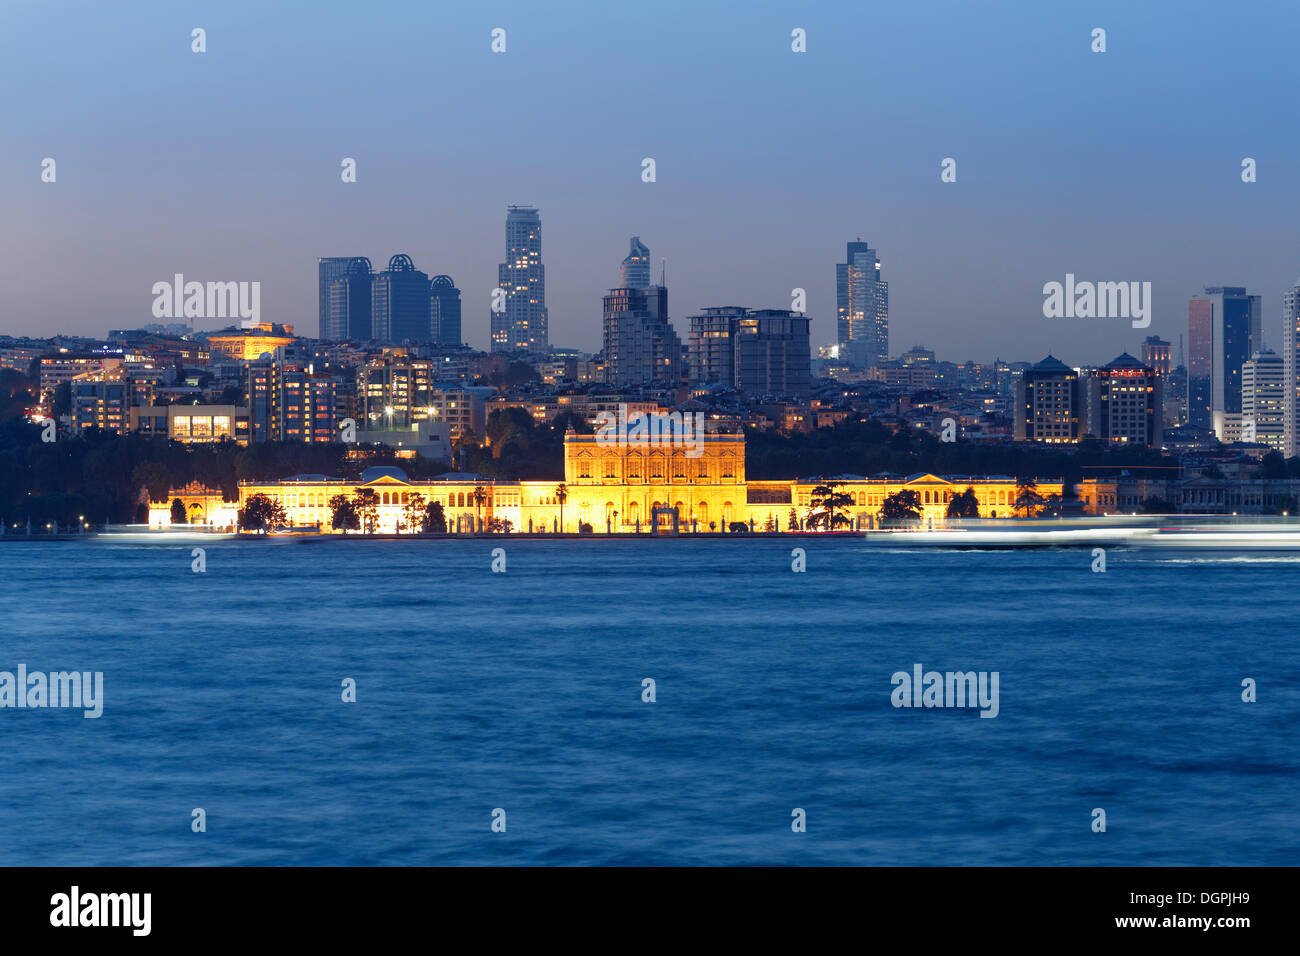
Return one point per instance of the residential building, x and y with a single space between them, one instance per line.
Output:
773 354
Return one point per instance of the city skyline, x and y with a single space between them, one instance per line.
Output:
979 248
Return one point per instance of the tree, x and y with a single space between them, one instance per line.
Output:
62 402
561 495
1028 501
903 505
964 505
827 505
155 477
480 497
1285 504
367 504
413 512
343 514
436 518
262 513
1272 465
178 511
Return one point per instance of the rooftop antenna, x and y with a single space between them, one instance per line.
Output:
663 272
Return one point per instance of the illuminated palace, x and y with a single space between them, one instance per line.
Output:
611 486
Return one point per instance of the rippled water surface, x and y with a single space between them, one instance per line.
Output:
523 691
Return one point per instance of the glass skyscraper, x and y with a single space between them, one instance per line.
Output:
400 302
348 306
635 270
1223 331
862 306
444 311
329 268
522 324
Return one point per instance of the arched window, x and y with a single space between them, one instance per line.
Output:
633 512
726 514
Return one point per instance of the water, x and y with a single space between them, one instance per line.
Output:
523 691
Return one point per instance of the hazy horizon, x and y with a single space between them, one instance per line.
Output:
1114 166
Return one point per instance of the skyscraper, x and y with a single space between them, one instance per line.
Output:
1263 399
862 306
1291 366
399 306
635 270
328 269
522 323
348 306
640 344
444 311
1223 331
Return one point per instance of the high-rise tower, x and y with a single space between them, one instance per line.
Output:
329 268
444 311
399 306
1223 331
521 325
347 312
635 270
862 306
1291 367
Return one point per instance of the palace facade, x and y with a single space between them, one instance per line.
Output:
613 486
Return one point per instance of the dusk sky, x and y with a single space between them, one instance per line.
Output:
225 166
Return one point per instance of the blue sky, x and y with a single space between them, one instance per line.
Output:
225 166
